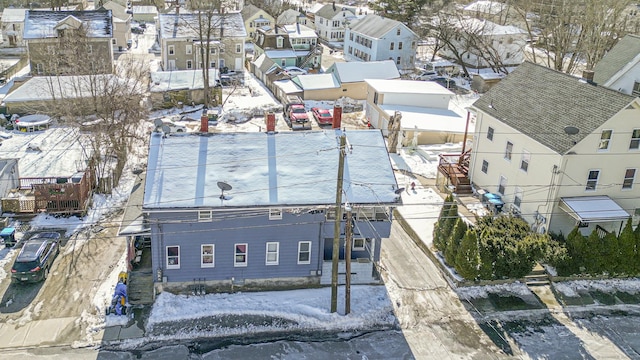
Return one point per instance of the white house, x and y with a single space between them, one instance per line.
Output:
423 105
331 21
12 26
481 42
375 38
121 26
560 151
291 16
619 69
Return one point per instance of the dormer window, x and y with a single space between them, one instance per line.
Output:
279 42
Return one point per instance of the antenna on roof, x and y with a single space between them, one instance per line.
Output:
224 187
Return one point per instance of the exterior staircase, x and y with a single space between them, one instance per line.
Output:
537 277
456 168
140 280
313 52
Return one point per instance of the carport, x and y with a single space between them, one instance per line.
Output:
601 211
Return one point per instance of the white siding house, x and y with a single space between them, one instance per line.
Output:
331 20
375 38
619 69
560 151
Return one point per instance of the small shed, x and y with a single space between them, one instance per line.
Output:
484 81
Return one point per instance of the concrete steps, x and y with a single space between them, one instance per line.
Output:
537 277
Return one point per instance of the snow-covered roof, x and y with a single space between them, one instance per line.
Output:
486 7
10 15
279 169
356 71
40 88
377 26
486 27
177 26
315 8
299 31
179 80
428 119
40 24
408 87
490 75
144 9
287 86
61 152
316 81
119 12
280 54
593 208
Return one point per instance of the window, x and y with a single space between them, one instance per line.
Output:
173 257
351 36
524 163
304 252
114 41
240 258
238 48
189 64
275 214
336 23
391 46
592 179
398 32
171 50
490 133
398 61
212 50
508 55
517 200
279 42
207 255
503 185
375 98
508 151
189 49
358 244
485 166
206 215
400 45
629 176
273 255
636 89
605 138
39 69
283 62
635 140
212 65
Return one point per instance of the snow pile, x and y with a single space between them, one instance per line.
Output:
474 292
574 288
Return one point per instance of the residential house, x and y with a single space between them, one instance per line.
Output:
254 18
619 69
376 38
182 49
145 13
69 42
12 26
351 76
560 151
485 43
317 86
170 88
121 26
258 210
496 12
331 21
292 17
423 107
304 41
289 45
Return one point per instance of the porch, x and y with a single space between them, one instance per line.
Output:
453 173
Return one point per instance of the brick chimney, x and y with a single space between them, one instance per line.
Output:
271 122
588 75
337 117
204 123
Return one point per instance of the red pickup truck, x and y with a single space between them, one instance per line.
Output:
296 115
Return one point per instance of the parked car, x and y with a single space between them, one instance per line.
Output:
295 114
137 30
295 71
323 116
445 82
426 75
36 257
173 127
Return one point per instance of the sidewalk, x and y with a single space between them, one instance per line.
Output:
35 333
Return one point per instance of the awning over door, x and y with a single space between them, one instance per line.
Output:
593 208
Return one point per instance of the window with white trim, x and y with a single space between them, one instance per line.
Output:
391 46
502 185
240 255
592 180
279 42
275 214
205 215
485 166
173 257
490 133
212 50
207 255
238 48
358 244
189 64
304 252
114 41
635 140
189 49
172 50
605 139
508 151
273 253
629 176
524 162
517 200
636 89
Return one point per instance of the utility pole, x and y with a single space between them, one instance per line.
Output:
336 228
348 233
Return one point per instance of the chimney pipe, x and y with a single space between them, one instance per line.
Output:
271 122
337 117
204 123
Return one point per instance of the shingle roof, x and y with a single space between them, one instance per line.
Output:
356 71
173 26
40 24
289 16
329 11
249 10
540 102
620 55
376 26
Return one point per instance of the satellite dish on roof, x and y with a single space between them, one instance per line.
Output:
158 122
166 129
224 187
571 130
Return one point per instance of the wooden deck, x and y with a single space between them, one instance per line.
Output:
456 168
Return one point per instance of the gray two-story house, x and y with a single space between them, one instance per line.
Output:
257 210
